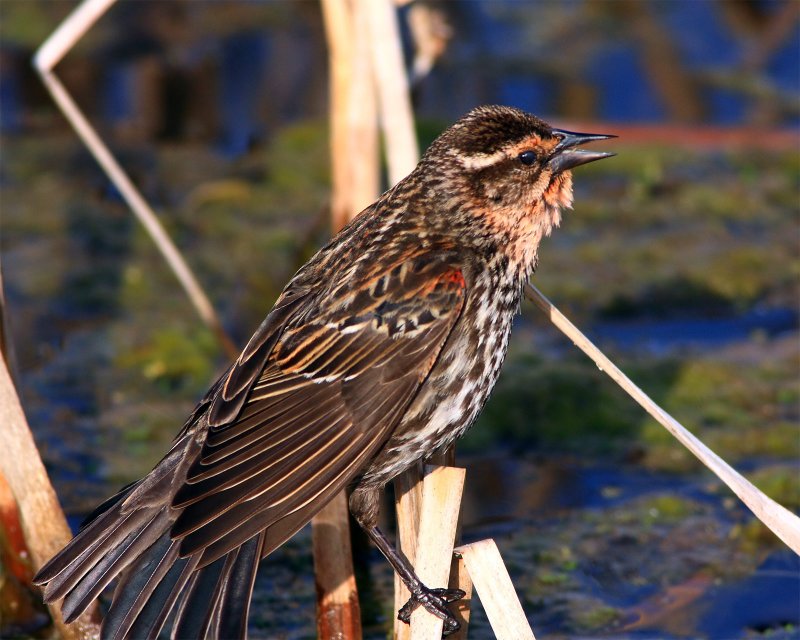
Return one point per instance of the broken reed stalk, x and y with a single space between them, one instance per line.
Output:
461 609
438 523
408 488
491 581
49 54
782 522
428 509
437 562
408 505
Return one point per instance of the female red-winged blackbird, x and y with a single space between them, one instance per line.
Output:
382 349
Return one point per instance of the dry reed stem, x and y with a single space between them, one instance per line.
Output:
355 174
493 584
9 513
408 504
18 561
461 609
338 34
48 55
363 147
43 523
782 522
71 29
442 489
394 99
355 183
337 597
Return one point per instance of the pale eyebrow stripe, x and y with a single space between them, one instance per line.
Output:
482 160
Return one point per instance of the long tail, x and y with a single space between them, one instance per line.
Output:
129 538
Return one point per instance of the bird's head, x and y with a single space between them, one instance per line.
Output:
506 174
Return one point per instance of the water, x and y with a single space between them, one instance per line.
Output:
766 602
660 336
656 549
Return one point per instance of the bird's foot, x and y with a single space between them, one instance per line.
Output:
435 601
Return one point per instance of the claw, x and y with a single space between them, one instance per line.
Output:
435 602
449 595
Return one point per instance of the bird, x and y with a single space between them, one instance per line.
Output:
382 349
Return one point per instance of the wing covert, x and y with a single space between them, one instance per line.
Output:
231 391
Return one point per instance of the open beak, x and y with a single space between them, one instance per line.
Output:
566 156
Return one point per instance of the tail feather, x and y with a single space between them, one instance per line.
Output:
194 615
236 601
144 594
217 600
130 538
211 624
78 562
156 611
82 551
84 591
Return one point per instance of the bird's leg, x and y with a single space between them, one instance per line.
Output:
435 601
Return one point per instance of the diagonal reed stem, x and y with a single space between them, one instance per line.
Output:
782 522
48 55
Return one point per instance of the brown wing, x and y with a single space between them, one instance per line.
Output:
333 387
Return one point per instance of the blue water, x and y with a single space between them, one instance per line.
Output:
766 602
663 335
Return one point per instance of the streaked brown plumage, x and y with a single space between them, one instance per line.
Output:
381 349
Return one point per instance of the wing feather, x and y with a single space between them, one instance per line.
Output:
277 438
316 393
265 465
233 390
258 413
330 391
284 425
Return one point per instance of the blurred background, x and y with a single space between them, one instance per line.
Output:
680 258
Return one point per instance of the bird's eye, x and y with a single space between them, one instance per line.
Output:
527 157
